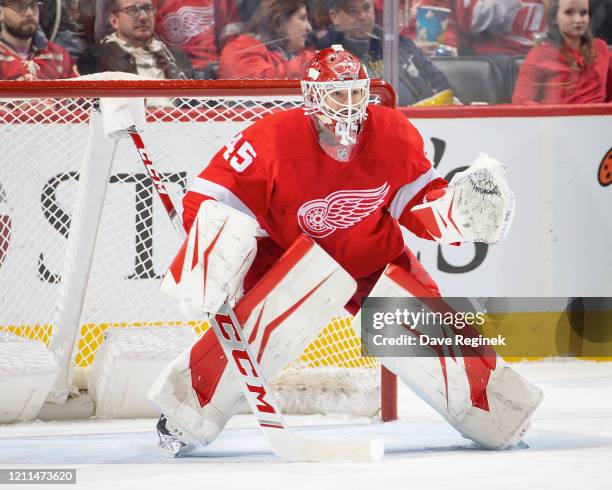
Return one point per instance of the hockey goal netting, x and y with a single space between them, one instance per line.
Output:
84 240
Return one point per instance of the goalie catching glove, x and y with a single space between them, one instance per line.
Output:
477 205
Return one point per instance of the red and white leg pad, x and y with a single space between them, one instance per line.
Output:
476 392
282 313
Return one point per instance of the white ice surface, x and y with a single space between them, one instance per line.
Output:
570 447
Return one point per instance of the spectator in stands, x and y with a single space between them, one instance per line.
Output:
408 25
133 47
25 54
450 40
200 28
274 44
569 66
499 26
72 27
353 26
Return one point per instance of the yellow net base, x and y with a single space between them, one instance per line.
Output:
336 345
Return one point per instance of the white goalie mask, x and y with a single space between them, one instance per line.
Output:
336 91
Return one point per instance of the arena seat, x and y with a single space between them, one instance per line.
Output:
517 61
474 78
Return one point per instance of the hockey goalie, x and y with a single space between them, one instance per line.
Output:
300 214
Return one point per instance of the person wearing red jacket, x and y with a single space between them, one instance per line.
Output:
273 45
197 27
25 54
499 26
570 66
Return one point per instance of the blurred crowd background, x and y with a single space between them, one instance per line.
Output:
448 51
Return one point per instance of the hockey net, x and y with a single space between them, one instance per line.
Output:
83 244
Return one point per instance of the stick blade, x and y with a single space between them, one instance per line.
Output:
293 448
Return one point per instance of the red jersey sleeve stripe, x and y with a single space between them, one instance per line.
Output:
212 190
406 193
221 194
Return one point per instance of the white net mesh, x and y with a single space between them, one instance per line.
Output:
43 143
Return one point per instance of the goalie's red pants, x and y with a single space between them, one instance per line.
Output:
207 360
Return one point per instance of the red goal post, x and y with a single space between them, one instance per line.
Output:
44 195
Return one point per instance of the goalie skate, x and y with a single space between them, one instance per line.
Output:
169 441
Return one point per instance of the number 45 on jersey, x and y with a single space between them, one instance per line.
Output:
239 158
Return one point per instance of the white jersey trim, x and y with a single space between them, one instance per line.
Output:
407 192
224 196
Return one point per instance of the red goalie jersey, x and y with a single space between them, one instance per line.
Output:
276 172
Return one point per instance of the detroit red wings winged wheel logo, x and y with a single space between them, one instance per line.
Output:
187 23
345 67
341 209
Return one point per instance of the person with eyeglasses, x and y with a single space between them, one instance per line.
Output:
353 24
133 46
25 53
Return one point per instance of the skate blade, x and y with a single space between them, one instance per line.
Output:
171 446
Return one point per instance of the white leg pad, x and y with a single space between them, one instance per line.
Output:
512 400
173 393
483 398
280 316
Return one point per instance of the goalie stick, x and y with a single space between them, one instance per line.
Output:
287 445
